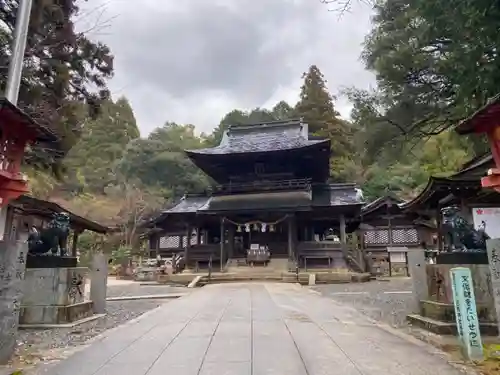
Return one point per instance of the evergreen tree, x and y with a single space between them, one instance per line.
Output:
316 104
90 164
62 67
316 108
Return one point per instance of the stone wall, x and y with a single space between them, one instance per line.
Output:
440 289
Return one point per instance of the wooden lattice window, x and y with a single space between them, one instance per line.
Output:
404 236
377 237
169 242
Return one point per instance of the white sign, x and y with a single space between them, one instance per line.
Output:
487 219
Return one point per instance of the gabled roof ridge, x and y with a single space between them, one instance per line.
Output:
267 124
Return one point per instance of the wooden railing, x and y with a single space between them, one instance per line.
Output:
260 186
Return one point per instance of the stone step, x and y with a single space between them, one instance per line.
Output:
447 328
445 312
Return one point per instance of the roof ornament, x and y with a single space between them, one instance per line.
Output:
359 195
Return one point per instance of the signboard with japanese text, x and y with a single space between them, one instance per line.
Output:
493 248
12 268
487 219
466 313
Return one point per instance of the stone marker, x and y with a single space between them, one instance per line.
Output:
493 249
99 283
12 268
417 268
464 301
312 279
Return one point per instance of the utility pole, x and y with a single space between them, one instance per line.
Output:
18 49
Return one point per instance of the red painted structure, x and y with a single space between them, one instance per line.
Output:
487 121
17 131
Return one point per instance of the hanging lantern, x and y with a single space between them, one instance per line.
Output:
256 227
239 229
247 227
272 228
264 227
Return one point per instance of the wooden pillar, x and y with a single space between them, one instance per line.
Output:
439 230
188 246
222 244
74 247
198 236
343 236
230 241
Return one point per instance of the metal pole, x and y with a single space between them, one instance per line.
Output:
18 49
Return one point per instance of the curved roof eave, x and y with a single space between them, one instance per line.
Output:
379 202
433 184
206 152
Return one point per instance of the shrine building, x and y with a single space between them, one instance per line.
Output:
271 190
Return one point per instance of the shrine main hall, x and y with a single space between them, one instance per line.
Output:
271 192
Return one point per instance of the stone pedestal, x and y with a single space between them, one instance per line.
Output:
437 310
54 296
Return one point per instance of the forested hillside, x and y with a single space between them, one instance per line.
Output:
435 63
111 159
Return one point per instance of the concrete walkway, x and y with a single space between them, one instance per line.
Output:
253 329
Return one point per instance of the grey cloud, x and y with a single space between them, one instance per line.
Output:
174 56
209 46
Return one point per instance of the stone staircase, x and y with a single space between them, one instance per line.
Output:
275 266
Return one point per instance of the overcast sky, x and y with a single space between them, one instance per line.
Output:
192 61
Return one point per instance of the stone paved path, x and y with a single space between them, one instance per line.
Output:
253 329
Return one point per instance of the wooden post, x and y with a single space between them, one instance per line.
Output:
221 244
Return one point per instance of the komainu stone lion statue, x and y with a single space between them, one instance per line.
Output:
53 239
459 234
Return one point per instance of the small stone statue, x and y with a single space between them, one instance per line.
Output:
54 238
460 235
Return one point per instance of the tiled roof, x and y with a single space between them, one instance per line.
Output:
14 115
272 136
336 195
289 200
188 204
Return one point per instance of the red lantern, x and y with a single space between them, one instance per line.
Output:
17 131
487 120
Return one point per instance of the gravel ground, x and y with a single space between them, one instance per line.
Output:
36 345
384 301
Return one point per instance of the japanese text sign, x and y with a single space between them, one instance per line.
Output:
466 312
